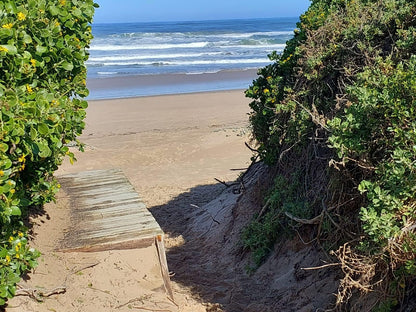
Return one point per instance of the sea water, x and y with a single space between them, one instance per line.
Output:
124 50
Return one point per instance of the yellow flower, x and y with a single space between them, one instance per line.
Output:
17 256
16 248
266 91
33 62
22 158
8 26
21 16
1 173
57 23
8 258
58 186
22 167
12 191
29 89
10 182
20 234
3 49
62 2
11 238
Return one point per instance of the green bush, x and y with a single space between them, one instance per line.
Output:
42 82
344 88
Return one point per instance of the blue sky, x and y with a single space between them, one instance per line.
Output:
185 10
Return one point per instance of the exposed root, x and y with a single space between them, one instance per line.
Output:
359 273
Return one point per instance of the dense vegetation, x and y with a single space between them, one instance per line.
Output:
42 83
336 114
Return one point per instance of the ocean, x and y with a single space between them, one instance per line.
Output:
183 51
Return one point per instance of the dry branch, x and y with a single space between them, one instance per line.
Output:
38 294
153 310
315 220
250 148
225 183
321 267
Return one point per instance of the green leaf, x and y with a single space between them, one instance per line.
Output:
3 147
54 10
44 150
41 49
7 163
15 211
84 104
33 133
9 48
27 39
3 252
43 129
5 32
67 66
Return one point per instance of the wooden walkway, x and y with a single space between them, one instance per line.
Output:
106 213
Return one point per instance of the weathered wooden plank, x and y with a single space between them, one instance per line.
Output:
106 213
160 246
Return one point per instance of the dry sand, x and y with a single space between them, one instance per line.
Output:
166 146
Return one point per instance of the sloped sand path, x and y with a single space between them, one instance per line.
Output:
165 146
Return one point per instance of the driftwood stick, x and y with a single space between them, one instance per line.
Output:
321 267
129 302
225 183
250 148
315 220
263 210
85 267
38 294
147 309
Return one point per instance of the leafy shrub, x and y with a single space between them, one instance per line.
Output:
42 82
345 88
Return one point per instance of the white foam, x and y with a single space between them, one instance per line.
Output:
107 73
185 63
148 46
149 56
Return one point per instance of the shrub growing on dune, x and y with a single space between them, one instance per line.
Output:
42 82
336 112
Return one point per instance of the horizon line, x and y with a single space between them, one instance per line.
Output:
188 21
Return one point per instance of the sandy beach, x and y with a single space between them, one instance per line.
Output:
158 141
166 146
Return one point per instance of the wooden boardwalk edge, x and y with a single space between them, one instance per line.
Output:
108 214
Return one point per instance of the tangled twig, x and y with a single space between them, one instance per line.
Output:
38 294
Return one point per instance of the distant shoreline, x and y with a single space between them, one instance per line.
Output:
115 87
